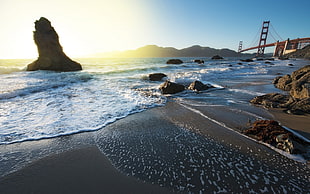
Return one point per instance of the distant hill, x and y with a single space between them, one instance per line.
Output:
156 51
303 53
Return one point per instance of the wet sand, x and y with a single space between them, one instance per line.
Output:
299 123
84 170
175 148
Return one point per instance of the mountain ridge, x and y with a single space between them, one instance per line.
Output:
157 51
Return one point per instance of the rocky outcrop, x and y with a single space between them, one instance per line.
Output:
51 55
298 83
171 88
246 60
174 61
272 100
298 86
199 86
290 104
271 132
157 76
199 61
303 53
217 57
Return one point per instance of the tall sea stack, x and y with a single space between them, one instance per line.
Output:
51 55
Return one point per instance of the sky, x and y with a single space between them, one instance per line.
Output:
87 27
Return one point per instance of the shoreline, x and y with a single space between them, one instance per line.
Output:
187 145
86 169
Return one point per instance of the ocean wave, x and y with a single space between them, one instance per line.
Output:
42 81
8 70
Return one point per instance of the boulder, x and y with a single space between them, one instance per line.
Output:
199 61
290 104
171 87
156 76
272 100
283 82
246 60
271 132
174 61
298 106
51 55
199 86
298 83
217 57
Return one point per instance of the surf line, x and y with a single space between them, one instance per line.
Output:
288 155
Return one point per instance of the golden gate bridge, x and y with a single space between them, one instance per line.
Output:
281 47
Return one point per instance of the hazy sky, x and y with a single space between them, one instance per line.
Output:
92 26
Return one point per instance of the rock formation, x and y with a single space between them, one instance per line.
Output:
51 55
303 53
217 57
199 61
199 86
298 86
156 76
174 61
171 87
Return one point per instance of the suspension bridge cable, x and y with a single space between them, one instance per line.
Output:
278 36
256 38
275 40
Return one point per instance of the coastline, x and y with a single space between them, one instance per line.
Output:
188 145
84 170
242 165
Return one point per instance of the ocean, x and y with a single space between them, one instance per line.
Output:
46 104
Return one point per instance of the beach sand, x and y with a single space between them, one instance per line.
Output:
231 163
84 170
298 123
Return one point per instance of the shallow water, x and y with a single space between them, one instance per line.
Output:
46 104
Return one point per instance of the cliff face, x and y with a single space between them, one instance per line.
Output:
303 53
51 55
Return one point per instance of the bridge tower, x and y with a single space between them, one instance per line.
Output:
240 46
263 39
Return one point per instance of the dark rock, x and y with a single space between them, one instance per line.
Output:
283 58
298 83
246 60
157 76
298 106
290 104
51 55
199 61
290 64
174 61
273 100
171 88
199 86
217 57
271 132
283 82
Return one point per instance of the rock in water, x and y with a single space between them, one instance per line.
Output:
174 61
217 57
171 87
51 55
157 76
199 86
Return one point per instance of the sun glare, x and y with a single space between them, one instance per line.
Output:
110 26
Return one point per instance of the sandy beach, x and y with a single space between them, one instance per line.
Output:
229 162
84 170
191 144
